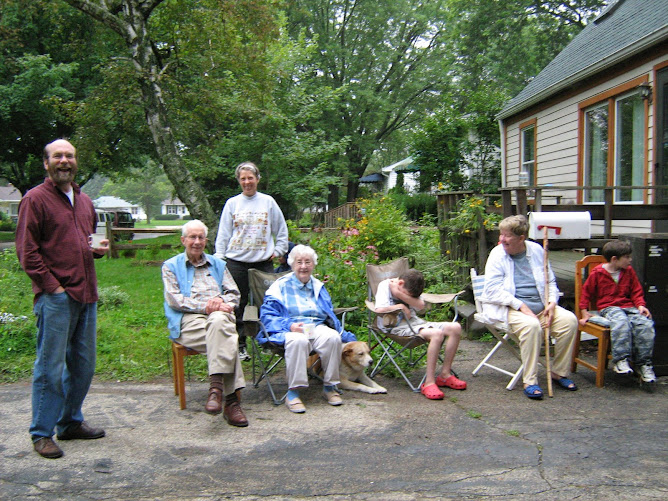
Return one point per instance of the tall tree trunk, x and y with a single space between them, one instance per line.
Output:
129 18
333 197
352 190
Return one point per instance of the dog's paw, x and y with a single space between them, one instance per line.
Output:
378 390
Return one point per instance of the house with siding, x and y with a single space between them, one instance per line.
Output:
10 198
174 206
112 204
596 115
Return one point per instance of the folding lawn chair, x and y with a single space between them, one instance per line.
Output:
398 348
263 365
258 283
500 331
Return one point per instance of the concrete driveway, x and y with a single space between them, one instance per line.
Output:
609 443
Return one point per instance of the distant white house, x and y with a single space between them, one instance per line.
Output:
109 203
174 206
386 179
10 198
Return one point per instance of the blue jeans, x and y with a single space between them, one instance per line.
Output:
65 364
631 333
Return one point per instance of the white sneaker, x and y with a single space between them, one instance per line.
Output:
622 367
647 373
243 355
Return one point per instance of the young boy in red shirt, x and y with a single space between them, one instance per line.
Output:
616 291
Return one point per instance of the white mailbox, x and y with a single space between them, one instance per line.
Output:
560 225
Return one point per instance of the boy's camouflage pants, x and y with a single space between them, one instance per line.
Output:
631 333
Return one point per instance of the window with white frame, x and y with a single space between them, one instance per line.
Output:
528 156
627 113
172 209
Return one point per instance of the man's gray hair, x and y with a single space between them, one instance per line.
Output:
195 223
302 250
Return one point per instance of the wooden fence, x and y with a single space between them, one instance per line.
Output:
349 210
115 247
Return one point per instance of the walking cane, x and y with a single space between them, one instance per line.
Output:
547 301
566 225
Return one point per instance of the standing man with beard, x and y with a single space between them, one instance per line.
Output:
54 247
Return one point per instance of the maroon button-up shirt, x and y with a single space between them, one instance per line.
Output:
52 241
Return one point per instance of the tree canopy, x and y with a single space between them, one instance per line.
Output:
313 91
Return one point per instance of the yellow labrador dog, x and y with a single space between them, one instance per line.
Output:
355 358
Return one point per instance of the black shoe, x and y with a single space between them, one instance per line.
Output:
81 431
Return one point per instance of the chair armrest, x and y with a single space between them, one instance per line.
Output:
440 299
371 306
251 313
339 311
428 297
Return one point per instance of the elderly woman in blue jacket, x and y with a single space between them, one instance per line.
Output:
298 312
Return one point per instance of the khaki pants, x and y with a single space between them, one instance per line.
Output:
530 334
324 341
216 336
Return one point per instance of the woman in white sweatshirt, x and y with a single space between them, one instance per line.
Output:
252 231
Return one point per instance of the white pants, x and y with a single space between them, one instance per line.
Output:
216 335
530 334
325 342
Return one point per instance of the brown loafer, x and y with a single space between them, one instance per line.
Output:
234 415
332 397
215 402
81 431
47 448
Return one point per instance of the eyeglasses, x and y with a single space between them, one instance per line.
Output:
195 237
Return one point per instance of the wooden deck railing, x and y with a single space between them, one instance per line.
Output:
349 210
606 211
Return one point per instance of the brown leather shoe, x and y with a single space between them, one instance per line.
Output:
47 448
81 431
215 402
234 415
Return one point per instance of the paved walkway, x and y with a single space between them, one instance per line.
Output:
609 443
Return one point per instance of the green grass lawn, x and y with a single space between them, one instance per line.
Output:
132 338
155 222
6 236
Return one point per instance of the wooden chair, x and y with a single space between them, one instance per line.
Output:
590 330
179 352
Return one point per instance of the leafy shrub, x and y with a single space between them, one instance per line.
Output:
166 217
111 297
6 223
469 215
383 226
441 274
416 206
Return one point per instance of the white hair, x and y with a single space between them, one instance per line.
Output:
195 223
302 250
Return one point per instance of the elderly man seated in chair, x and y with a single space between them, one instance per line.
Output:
200 297
514 294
